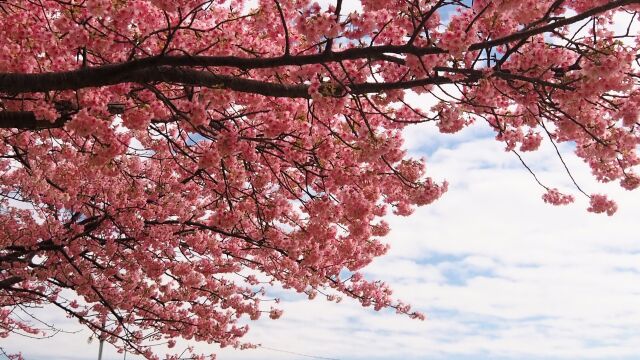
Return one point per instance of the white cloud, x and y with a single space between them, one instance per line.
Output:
499 273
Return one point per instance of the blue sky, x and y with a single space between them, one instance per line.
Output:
500 274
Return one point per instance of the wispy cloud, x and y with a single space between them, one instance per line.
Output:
500 274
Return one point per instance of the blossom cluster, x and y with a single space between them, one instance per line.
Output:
218 148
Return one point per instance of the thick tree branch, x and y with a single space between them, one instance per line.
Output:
27 120
185 76
554 25
147 68
7 283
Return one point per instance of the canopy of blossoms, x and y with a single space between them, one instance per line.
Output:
165 161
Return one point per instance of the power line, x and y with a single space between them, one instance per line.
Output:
297 353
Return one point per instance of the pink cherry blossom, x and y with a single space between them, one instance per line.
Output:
600 204
173 160
555 197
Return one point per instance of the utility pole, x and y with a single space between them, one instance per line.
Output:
104 323
100 349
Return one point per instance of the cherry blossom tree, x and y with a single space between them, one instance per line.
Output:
165 161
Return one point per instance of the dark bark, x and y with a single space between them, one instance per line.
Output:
188 70
118 73
7 283
26 120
